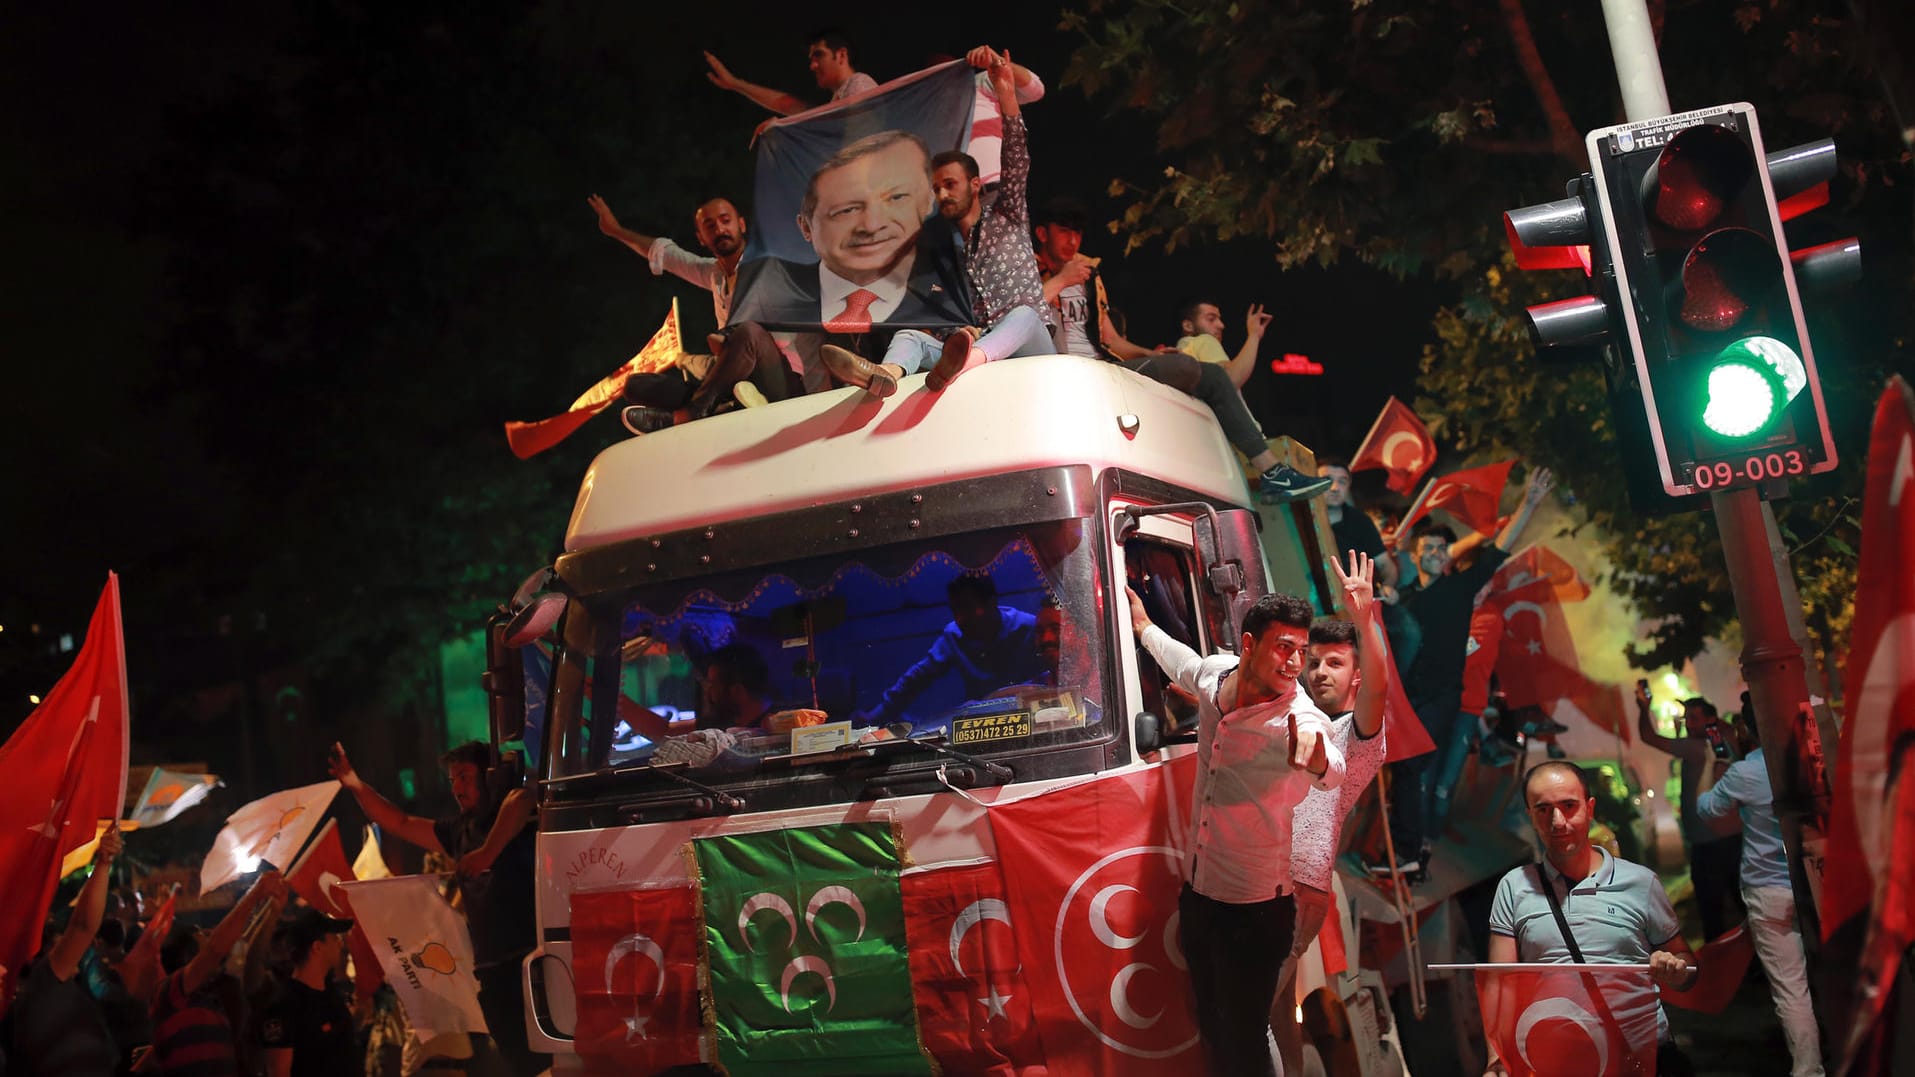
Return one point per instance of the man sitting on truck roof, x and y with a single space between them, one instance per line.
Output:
988 645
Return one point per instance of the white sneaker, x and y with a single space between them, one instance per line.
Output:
748 395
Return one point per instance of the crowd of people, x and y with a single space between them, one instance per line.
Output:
268 989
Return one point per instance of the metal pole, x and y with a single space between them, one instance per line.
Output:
1772 661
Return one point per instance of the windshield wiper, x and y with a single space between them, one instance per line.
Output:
936 746
670 770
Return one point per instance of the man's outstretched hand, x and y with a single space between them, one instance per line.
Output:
720 75
340 767
1139 619
607 223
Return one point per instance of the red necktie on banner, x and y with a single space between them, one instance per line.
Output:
856 315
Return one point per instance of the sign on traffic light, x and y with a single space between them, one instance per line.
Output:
1713 316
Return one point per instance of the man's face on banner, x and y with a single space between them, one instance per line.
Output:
869 211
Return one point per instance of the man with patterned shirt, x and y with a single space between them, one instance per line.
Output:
1007 297
1346 673
1261 744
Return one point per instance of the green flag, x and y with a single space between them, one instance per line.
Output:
805 932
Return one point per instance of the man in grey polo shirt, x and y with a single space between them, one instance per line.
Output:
1617 912
1744 790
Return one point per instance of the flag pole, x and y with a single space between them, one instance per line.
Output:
1375 424
1409 515
1539 966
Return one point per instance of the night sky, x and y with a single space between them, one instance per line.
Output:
280 273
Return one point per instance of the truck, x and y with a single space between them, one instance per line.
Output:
926 594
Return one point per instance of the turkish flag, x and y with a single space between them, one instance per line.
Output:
65 770
1473 495
1097 919
974 1008
1479 656
316 876
529 439
1535 574
1536 660
1555 1023
1871 851
635 975
1407 738
1723 962
1400 444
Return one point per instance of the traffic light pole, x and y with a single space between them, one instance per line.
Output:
1772 661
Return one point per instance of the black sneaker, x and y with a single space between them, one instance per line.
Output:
640 419
1284 483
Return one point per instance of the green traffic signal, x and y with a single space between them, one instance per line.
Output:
1749 384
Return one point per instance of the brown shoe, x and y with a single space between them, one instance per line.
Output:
854 369
957 352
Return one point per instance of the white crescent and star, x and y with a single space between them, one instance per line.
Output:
833 895
1510 612
643 946
1100 926
797 967
1562 1008
327 880
1389 451
974 914
767 900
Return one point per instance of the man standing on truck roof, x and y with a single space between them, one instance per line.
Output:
492 842
1261 745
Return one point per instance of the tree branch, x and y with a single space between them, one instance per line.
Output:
1563 137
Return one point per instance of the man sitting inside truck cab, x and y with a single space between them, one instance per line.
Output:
988 645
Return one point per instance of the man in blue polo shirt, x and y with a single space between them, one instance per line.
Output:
1616 911
1744 790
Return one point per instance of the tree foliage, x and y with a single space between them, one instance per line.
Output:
1397 132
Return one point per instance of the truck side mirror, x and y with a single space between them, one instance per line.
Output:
1146 731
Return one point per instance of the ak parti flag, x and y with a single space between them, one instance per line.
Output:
1554 1022
270 829
1871 853
424 949
1472 495
529 439
1097 919
168 794
1400 444
635 976
974 1003
804 931
65 771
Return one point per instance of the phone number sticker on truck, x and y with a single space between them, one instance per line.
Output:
985 728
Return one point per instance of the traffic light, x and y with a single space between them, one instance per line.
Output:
1697 290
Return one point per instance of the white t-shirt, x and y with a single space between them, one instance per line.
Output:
1318 826
1074 316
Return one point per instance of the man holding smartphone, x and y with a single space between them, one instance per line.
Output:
1714 859
1261 745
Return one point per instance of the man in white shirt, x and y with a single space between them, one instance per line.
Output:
1261 745
1346 673
829 56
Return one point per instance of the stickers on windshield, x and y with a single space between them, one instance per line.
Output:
986 728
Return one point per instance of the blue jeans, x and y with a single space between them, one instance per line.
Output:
1020 332
1450 757
1411 783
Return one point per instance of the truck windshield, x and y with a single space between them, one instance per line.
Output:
990 640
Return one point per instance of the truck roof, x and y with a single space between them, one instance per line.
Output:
829 447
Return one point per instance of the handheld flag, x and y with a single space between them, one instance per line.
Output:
168 794
66 771
1552 1019
529 439
317 877
1470 495
270 829
1400 444
369 864
424 950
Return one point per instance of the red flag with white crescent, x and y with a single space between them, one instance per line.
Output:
65 770
635 975
1400 444
1108 983
1473 495
973 999
1871 851
660 353
1555 1023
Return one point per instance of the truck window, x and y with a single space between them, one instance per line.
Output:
991 640
1162 575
